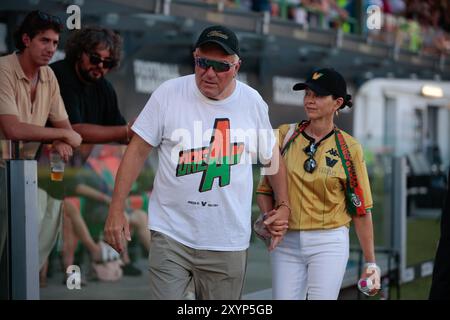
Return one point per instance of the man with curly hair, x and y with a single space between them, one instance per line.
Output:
91 103
90 99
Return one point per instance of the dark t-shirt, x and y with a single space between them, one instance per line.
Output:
94 103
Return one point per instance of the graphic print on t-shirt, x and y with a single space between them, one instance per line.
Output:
214 161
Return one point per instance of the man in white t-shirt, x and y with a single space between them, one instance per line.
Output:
208 129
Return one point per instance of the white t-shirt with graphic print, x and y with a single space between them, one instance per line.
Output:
203 187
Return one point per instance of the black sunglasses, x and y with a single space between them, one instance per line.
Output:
96 60
310 164
218 66
48 17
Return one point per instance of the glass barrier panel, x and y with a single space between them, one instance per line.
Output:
84 192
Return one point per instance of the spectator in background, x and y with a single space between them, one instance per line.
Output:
297 12
396 7
29 96
275 9
325 13
29 92
418 10
338 15
391 9
90 99
270 6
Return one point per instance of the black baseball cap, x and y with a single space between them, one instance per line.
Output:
221 35
325 82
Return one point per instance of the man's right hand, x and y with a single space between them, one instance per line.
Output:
277 221
116 230
72 137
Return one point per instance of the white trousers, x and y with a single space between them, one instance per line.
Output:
310 264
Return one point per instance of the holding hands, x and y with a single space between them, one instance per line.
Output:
273 225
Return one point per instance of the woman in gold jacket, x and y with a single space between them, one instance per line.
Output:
328 188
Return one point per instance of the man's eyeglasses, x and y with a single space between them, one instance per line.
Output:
48 17
218 66
310 164
96 60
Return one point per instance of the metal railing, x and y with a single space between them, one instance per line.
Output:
19 240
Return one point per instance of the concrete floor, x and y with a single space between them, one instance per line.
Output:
136 288
257 284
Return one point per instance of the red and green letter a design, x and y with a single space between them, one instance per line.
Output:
214 161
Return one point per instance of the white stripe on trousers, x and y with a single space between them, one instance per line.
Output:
310 264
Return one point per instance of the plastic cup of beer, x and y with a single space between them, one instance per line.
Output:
56 166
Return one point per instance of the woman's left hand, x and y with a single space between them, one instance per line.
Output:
277 221
372 273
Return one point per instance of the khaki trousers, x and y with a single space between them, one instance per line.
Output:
214 274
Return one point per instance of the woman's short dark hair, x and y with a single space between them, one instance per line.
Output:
88 39
34 23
